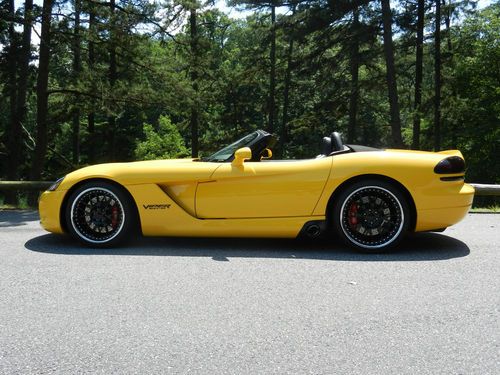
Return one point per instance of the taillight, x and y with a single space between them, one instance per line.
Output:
452 164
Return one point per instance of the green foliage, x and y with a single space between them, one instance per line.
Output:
475 110
165 142
21 205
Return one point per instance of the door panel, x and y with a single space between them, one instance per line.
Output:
263 189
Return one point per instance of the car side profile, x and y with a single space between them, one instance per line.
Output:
367 198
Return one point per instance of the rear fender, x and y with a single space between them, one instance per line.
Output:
452 153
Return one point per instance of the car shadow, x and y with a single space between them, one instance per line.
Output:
16 218
415 247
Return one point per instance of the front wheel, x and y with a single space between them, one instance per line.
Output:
99 214
371 215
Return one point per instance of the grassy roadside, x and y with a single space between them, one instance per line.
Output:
487 210
22 205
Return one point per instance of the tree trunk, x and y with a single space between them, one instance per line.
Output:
193 29
447 20
437 78
91 114
77 65
272 74
112 76
14 132
42 97
286 93
20 110
397 140
418 74
24 60
12 61
354 69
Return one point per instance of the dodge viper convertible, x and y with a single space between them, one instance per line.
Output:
367 198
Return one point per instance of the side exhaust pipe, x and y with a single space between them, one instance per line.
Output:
313 229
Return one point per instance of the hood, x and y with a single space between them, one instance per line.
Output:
143 172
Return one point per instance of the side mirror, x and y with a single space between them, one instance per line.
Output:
266 154
241 155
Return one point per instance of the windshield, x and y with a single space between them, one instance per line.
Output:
228 151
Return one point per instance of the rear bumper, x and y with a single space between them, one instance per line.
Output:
49 207
457 207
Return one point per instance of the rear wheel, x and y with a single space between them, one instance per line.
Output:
371 215
99 214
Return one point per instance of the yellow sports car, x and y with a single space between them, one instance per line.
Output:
368 198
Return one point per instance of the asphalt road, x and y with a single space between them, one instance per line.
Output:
225 306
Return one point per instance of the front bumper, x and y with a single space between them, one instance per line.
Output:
49 207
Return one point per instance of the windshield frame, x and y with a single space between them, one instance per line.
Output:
257 141
227 152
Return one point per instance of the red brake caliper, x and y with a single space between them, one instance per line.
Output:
114 216
353 215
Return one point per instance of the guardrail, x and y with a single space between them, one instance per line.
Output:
24 185
482 190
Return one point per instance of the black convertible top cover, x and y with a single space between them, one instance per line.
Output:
359 148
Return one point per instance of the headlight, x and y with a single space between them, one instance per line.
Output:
56 184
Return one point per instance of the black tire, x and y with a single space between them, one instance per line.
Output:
371 215
99 214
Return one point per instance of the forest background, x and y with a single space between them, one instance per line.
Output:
90 81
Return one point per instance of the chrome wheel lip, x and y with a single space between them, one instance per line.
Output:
75 227
362 245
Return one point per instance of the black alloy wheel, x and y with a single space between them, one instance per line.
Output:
371 215
99 214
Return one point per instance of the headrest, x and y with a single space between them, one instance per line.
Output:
326 146
336 140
